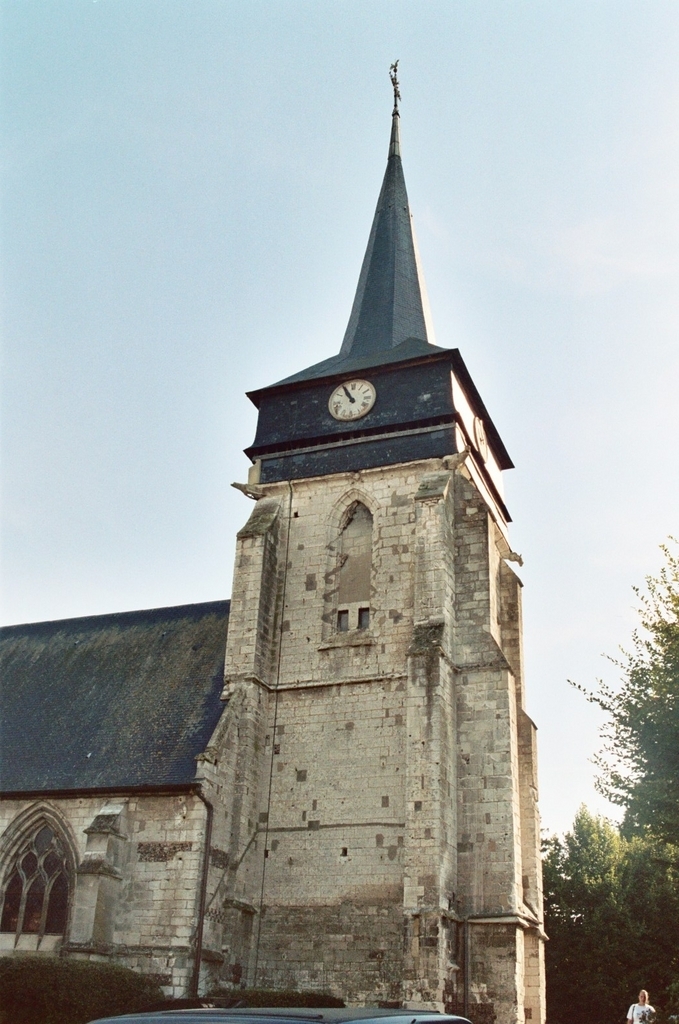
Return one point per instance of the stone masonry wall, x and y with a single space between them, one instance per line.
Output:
381 795
138 868
334 835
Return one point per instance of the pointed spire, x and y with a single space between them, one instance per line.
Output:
391 303
390 319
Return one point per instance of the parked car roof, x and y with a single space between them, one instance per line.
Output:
281 1015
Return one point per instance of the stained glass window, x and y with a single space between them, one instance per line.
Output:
10 910
36 889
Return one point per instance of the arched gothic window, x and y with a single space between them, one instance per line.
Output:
36 887
355 551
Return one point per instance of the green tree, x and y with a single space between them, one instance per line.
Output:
612 917
612 895
639 766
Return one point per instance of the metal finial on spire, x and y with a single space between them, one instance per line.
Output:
393 75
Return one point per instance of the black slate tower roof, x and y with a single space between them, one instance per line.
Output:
390 300
388 319
110 701
388 342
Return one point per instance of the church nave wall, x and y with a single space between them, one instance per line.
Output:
133 893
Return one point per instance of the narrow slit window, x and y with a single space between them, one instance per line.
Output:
363 618
343 621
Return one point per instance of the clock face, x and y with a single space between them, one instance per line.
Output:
351 400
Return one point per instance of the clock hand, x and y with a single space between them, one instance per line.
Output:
350 397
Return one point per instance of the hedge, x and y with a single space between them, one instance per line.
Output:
253 997
269 997
48 990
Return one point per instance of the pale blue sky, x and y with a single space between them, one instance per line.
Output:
188 190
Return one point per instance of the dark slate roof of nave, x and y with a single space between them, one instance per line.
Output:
124 700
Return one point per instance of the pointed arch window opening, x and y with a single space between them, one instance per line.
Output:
355 570
35 894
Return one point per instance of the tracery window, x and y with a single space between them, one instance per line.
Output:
353 597
36 888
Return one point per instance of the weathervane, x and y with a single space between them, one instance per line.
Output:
393 74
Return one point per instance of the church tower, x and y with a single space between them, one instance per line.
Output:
380 765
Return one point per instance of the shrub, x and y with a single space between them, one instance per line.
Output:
48 990
269 997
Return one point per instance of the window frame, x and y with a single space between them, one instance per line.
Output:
341 513
348 614
26 836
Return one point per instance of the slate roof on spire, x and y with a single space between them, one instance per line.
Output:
389 304
389 317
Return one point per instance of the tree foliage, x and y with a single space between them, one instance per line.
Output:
612 917
639 767
612 895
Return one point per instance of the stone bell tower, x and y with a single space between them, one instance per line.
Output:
384 831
